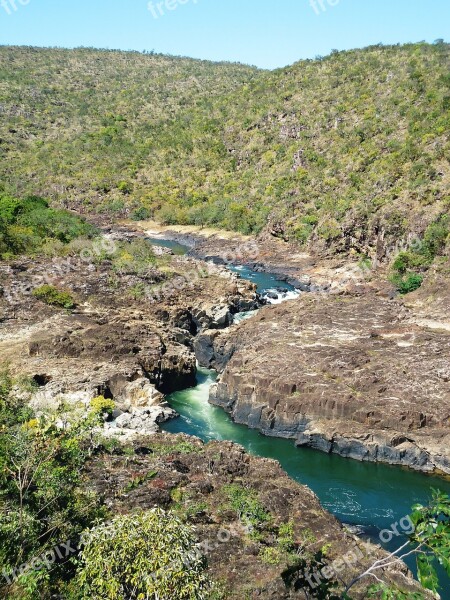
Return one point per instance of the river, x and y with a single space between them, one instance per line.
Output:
370 496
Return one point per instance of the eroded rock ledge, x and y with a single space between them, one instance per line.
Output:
124 347
357 376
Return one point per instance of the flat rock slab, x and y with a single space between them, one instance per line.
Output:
346 374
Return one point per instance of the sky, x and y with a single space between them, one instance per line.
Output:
265 33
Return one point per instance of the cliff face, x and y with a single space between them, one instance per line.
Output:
362 377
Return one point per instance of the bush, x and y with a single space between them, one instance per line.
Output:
134 257
246 504
408 283
141 214
28 225
42 501
12 411
102 406
436 236
146 555
54 297
410 260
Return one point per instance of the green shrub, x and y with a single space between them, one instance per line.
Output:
102 406
410 260
247 505
125 187
56 224
436 236
286 541
140 214
408 283
42 500
407 266
54 296
12 411
271 556
146 555
134 257
28 225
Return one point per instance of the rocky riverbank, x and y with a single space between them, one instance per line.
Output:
354 375
350 368
118 341
330 361
254 559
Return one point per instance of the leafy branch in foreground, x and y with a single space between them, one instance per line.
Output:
429 542
145 555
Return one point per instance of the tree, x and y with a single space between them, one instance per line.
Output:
42 501
429 542
149 555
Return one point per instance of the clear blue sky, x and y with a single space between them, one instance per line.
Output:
266 33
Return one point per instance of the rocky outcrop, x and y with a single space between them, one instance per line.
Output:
352 375
181 473
138 421
128 348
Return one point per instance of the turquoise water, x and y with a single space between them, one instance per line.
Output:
263 281
178 249
369 495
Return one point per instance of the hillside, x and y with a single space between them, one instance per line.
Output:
340 153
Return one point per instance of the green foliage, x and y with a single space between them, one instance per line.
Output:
410 260
408 266
383 592
432 538
328 148
285 540
12 411
271 556
140 214
27 225
407 283
54 296
429 542
247 505
42 503
146 555
135 257
436 236
101 406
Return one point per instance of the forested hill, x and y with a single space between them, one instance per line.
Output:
333 152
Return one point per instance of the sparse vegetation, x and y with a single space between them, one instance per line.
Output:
247 505
53 296
409 266
328 150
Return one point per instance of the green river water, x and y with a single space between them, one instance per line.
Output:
370 496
